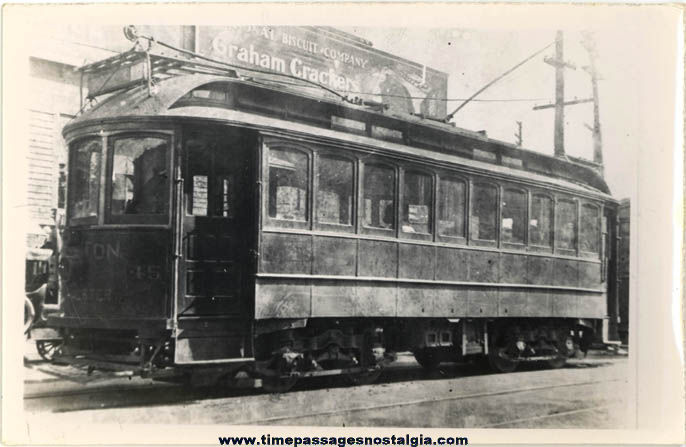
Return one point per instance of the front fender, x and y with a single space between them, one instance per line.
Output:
37 296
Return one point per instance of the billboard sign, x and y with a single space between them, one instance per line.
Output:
338 61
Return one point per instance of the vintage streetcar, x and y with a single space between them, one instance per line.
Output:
237 222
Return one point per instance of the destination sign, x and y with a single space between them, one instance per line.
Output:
345 65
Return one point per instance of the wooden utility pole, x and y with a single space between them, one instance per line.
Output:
559 105
560 65
566 103
559 96
588 43
518 135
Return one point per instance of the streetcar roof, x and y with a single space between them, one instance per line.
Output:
137 102
252 120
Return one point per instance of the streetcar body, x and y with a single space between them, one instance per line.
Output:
250 225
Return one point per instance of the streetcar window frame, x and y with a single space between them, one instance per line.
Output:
392 231
450 177
316 181
139 219
598 230
288 223
402 225
471 184
551 230
525 221
478 182
573 251
71 190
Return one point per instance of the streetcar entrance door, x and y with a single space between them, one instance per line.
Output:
212 311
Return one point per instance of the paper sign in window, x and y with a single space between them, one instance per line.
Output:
418 214
290 203
329 204
385 213
200 195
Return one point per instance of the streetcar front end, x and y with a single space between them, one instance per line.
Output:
116 260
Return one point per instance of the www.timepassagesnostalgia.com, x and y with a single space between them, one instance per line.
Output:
342 441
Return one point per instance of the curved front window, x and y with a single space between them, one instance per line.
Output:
84 184
139 181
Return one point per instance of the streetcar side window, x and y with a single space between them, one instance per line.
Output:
288 184
378 204
451 204
84 188
417 198
565 228
513 224
589 233
335 190
139 183
541 221
482 219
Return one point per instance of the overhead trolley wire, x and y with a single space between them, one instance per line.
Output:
133 35
448 99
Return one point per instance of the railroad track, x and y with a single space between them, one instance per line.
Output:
561 414
416 402
88 391
131 394
116 397
121 396
395 373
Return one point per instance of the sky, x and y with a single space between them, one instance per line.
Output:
474 57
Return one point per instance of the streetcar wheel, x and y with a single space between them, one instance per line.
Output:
47 349
500 361
274 384
564 349
427 359
557 362
364 378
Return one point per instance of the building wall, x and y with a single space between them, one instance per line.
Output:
54 101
